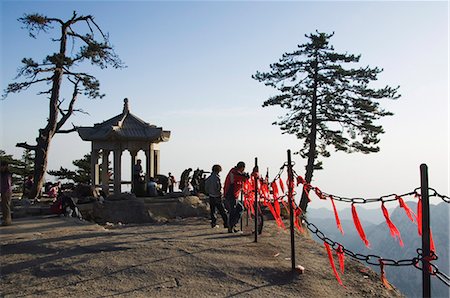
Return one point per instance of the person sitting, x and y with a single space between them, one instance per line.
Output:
152 190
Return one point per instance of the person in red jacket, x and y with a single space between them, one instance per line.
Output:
232 187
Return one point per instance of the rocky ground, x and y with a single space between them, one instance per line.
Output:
56 256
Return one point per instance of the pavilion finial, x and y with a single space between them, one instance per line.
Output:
126 108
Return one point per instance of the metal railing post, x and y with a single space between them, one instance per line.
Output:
291 209
426 281
256 202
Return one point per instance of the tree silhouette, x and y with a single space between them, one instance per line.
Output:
81 175
328 105
58 68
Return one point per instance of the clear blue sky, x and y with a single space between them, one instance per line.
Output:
189 71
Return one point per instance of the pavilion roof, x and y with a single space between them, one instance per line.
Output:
124 127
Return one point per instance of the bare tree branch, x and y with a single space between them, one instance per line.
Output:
64 131
70 108
26 146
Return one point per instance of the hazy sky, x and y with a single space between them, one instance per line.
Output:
189 71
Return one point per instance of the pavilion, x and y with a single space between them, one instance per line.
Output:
122 132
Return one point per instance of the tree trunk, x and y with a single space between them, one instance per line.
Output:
40 166
46 134
311 139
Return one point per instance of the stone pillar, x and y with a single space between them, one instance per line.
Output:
105 170
156 161
117 171
94 168
149 162
133 154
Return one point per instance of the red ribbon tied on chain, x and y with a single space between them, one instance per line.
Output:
383 276
419 215
419 222
281 184
274 189
330 258
358 226
340 253
300 180
319 193
405 207
336 216
297 213
395 233
306 189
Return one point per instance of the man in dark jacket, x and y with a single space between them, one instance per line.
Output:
213 188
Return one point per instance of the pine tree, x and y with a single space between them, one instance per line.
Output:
82 174
329 104
79 39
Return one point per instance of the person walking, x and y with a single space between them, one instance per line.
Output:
6 192
233 186
213 188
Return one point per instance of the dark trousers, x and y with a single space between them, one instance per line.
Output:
234 210
216 203
6 208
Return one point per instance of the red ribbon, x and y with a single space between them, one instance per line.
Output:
330 258
405 207
340 253
359 227
306 189
432 247
274 189
395 233
419 223
297 213
383 276
300 180
419 215
336 216
281 184
319 193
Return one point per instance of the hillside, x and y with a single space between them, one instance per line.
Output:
406 279
56 257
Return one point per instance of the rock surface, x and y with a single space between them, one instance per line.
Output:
58 257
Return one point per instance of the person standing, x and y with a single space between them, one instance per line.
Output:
233 186
213 188
6 192
184 180
171 182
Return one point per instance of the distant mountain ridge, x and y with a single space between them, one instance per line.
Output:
407 279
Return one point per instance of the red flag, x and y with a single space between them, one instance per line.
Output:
340 253
405 207
281 184
336 216
330 258
395 233
358 226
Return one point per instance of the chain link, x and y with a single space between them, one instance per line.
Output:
369 259
375 259
372 259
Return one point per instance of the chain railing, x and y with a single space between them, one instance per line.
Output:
370 259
